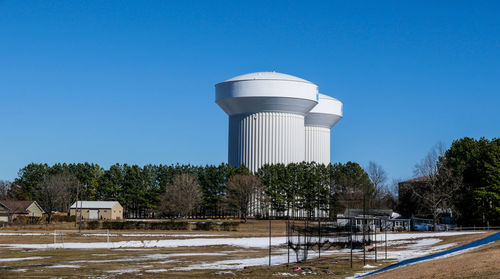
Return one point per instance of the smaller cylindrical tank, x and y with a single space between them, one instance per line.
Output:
317 124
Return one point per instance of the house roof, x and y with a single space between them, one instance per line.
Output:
416 179
19 207
3 207
353 212
94 204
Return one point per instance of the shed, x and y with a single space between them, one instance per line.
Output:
97 210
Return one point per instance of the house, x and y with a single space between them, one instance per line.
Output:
4 214
97 210
374 219
22 208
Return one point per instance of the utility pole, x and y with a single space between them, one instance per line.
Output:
78 211
80 221
350 221
363 225
76 204
386 242
375 242
319 232
269 238
288 235
269 215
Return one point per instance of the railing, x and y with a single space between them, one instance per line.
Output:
474 228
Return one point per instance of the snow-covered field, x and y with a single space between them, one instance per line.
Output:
244 242
187 235
401 246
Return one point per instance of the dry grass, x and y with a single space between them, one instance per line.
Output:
250 228
327 267
97 263
483 262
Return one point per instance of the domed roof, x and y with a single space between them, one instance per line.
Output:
266 76
327 105
266 92
323 96
326 113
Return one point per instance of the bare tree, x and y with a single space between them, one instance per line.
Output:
181 197
4 189
243 192
437 183
378 177
55 193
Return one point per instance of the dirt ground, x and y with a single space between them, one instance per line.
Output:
483 262
160 262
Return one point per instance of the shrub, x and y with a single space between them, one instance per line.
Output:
63 218
229 226
177 225
131 225
113 225
92 225
204 226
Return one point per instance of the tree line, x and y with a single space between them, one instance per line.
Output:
463 181
212 191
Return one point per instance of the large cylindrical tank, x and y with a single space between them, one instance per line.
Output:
317 125
266 117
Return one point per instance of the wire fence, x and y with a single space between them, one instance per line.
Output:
305 236
60 236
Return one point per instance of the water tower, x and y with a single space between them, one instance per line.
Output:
266 117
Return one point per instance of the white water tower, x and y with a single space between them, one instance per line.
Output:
268 114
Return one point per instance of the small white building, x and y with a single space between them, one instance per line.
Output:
97 210
374 219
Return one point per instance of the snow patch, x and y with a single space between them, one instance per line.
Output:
222 272
64 266
132 250
157 270
248 242
285 274
164 256
122 271
18 270
24 234
21 259
171 235
105 261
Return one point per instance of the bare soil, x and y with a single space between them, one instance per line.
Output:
483 262
133 263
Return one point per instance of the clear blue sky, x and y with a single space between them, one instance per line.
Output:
133 82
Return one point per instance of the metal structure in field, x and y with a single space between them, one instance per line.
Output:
306 236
